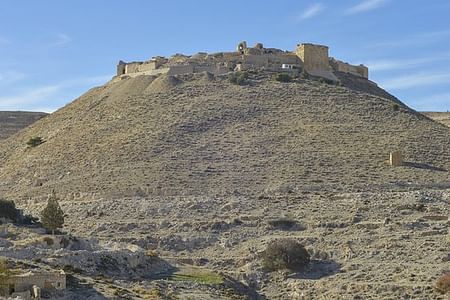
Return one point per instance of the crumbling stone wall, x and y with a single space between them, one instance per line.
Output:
340 66
312 58
148 66
132 67
25 282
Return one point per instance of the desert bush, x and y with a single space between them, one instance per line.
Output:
395 107
239 78
285 254
304 75
72 269
48 240
65 242
8 210
35 141
327 81
282 77
285 224
443 284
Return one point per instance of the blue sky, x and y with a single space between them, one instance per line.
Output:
52 51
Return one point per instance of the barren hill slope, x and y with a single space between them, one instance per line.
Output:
13 121
199 135
441 117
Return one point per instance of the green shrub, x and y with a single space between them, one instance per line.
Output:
304 75
8 210
285 254
327 81
282 77
239 78
65 242
48 240
395 107
35 141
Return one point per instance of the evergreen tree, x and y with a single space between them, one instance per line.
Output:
52 217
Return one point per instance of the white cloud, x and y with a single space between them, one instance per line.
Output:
62 39
365 6
311 11
416 80
28 97
36 98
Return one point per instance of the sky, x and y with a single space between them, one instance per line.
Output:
53 51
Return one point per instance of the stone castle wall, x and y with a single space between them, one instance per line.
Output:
340 66
314 59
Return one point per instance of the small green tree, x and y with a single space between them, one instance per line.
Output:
52 217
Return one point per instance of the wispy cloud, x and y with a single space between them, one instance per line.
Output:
28 97
36 98
365 6
401 64
416 80
62 39
311 11
414 40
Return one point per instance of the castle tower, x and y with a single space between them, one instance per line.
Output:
314 57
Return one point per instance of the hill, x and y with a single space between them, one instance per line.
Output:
13 121
203 174
441 117
198 134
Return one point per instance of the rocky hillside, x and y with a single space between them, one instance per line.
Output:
441 117
13 121
200 135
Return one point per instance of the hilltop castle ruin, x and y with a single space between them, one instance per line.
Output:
311 58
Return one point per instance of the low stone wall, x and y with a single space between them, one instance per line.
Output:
25 282
181 69
147 66
340 66
216 70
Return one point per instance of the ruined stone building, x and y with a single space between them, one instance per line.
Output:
30 284
311 58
